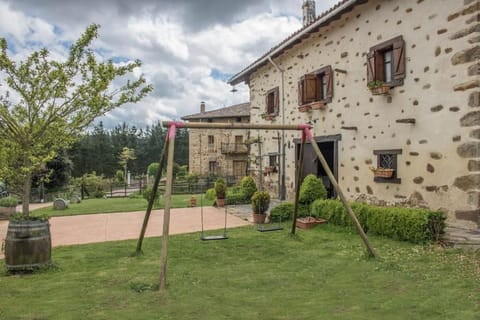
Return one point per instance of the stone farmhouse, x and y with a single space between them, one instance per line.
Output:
219 152
392 90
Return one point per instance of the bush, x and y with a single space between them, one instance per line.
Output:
235 198
284 211
260 202
220 188
248 186
148 193
8 201
210 194
312 188
406 224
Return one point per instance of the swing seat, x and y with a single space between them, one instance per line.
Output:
267 229
209 238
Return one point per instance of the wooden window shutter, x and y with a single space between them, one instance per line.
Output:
300 91
310 88
398 73
277 101
371 66
329 77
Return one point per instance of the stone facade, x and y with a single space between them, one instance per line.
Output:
216 151
431 118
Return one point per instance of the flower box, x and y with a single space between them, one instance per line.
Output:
382 172
380 90
318 105
305 108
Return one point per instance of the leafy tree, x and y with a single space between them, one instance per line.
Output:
54 102
125 157
152 168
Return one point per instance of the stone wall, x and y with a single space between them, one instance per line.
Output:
200 154
434 117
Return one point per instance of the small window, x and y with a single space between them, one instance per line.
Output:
272 101
212 167
387 159
316 86
272 160
386 62
211 143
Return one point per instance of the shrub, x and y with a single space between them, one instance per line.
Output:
260 202
210 194
407 224
248 186
235 198
283 211
8 201
312 188
119 176
220 188
148 193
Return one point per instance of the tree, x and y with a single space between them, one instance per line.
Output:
125 156
54 102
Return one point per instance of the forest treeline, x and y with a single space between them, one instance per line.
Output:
99 149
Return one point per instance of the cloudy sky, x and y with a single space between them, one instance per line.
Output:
189 48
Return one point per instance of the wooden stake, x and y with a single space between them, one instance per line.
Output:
166 214
298 183
325 166
152 196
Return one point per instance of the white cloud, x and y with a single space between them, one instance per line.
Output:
179 43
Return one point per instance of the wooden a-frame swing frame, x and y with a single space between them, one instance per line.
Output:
167 154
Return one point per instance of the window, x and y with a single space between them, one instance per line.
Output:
387 159
272 101
211 143
386 62
212 167
316 86
272 160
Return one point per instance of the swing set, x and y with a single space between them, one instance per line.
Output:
167 154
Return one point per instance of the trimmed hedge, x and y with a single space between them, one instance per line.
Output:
406 224
284 211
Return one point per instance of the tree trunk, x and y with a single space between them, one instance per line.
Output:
26 194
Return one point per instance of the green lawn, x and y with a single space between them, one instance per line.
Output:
319 274
92 206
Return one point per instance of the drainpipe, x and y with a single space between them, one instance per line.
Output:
282 108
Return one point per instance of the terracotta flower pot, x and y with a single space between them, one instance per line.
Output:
220 202
259 218
308 222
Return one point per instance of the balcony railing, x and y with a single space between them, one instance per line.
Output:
234 148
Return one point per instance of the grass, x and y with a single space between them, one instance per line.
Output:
92 206
319 274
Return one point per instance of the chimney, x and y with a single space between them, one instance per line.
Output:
308 8
202 107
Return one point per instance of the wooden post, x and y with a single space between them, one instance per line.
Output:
152 196
325 166
166 213
298 182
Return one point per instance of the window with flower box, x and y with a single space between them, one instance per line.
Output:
316 87
387 166
386 63
272 102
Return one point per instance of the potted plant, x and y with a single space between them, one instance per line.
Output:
260 204
378 87
59 99
311 189
220 191
7 206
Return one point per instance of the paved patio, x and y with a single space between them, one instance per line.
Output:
102 227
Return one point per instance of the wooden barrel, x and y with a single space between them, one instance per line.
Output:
28 245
